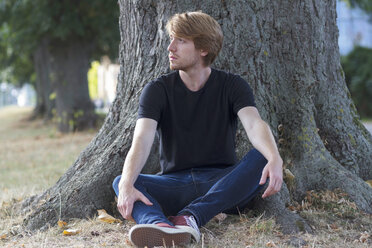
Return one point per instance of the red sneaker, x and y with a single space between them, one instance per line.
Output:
160 234
186 223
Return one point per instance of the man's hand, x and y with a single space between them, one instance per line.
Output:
274 171
127 197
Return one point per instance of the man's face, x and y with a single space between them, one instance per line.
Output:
183 55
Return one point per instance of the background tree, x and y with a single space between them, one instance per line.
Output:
63 37
288 52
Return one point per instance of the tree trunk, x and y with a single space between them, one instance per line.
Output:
75 110
45 102
288 52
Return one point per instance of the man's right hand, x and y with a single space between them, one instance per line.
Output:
128 195
143 137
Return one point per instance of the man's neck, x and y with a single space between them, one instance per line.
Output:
195 79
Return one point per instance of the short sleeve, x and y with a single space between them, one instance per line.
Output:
241 94
151 101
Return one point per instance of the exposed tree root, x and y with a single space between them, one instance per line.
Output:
275 206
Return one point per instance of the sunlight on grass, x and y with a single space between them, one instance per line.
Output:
33 154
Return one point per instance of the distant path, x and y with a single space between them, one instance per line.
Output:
368 125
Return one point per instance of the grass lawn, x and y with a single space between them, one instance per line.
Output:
33 155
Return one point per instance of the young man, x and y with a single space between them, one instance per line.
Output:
194 110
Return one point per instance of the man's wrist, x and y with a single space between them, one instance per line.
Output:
125 184
276 158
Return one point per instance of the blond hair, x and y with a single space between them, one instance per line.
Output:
200 28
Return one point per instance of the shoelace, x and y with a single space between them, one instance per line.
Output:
190 221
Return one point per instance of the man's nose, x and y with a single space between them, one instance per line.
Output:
171 46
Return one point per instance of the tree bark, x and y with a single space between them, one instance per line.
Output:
288 52
45 102
70 64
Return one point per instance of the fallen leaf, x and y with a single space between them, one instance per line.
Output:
288 175
70 232
105 217
363 237
220 217
334 226
271 244
62 224
292 208
3 237
369 182
128 242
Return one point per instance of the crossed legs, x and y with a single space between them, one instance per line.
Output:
201 192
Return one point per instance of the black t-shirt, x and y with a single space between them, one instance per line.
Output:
196 128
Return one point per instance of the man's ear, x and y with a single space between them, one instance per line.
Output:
203 53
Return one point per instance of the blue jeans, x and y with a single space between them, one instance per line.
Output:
203 192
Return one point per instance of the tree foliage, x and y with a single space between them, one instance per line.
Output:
93 80
24 23
94 20
365 5
60 38
15 66
358 75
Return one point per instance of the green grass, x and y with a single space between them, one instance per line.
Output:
33 155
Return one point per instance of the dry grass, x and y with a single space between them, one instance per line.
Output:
34 155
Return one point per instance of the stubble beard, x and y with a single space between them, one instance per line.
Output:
181 67
175 67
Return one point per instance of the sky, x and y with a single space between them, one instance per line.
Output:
354 28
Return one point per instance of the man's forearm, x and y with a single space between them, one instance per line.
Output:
143 138
133 165
263 140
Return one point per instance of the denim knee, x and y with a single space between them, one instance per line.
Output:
139 185
115 184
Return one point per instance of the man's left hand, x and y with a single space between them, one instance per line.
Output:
274 171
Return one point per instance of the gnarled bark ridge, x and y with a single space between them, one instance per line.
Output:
288 52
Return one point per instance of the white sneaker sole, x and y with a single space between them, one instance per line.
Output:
151 235
190 230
